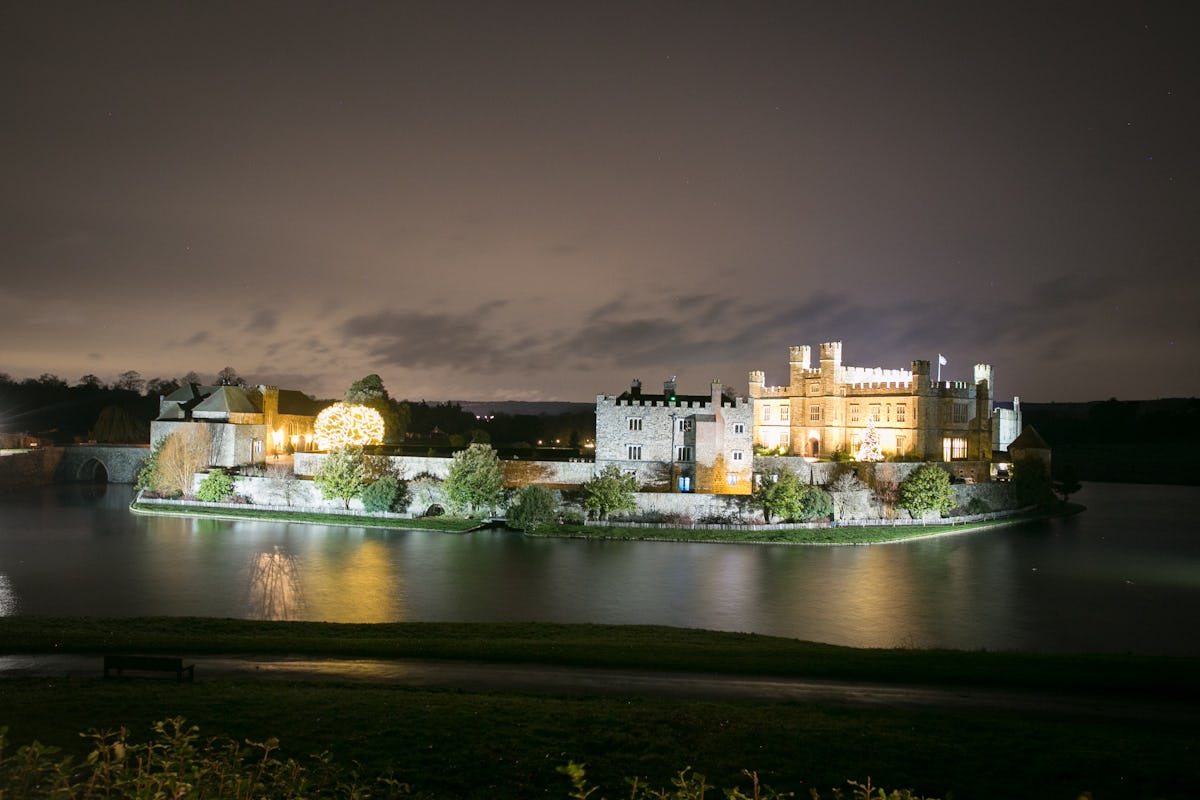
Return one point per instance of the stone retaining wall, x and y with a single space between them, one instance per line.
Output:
33 467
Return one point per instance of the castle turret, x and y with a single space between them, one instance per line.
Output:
831 352
669 388
983 374
799 360
716 394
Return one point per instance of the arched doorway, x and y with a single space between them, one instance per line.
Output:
814 447
92 471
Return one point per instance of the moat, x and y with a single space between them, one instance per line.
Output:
1122 577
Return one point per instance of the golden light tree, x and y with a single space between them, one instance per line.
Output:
347 425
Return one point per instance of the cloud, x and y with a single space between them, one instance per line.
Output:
262 322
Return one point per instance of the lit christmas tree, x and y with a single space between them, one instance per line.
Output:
869 449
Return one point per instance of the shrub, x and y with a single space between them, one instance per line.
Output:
381 495
977 505
1031 482
610 492
342 475
217 487
781 494
926 489
534 507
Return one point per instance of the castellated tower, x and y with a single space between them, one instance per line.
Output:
983 374
799 360
831 367
758 379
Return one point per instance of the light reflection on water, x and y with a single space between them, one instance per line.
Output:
1109 580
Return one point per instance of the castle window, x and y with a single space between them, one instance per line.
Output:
736 455
960 412
875 410
784 413
739 427
814 413
901 410
731 478
634 452
901 443
684 425
766 413
954 449
635 423
814 388
683 453
854 412
887 412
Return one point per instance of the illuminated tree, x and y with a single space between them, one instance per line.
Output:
345 425
475 480
869 449
342 475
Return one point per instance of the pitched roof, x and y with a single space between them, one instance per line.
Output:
1029 439
298 403
228 400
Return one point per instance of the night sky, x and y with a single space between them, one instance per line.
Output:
544 200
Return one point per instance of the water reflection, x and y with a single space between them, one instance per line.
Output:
1125 576
8 598
274 591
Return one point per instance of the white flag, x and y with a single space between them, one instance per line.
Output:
941 360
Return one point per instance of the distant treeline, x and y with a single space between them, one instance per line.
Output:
91 410
1135 441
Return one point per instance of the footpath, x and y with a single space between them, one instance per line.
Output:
554 680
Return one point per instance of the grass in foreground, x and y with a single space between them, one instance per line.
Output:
487 745
838 535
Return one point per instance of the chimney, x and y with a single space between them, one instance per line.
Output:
669 388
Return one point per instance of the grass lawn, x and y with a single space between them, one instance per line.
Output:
456 524
507 745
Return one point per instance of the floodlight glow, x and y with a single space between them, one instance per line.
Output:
345 425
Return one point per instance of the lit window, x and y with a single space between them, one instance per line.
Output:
731 478
739 427
901 410
683 453
954 449
784 413
814 413
737 455
634 452
635 423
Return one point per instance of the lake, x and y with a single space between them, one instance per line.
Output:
1122 577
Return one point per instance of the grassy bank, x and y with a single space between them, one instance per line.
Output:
454 524
613 646
838 535
508 745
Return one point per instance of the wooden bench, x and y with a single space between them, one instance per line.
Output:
149 664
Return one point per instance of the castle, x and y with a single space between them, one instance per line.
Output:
827 408
687 443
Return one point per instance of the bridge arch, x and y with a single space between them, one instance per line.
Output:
92 470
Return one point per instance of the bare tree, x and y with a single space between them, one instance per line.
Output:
186 452
282 483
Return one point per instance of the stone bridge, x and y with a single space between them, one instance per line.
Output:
103 463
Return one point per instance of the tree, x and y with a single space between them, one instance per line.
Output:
90 381
175 459
118 425
369 391
161 386
342 475
217 487
130 381
282 483
610 492
475 480
1067 483
869 449
229 377
1031 482
783 495
534 507
927 488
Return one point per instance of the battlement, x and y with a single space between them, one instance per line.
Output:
875 375
896 386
